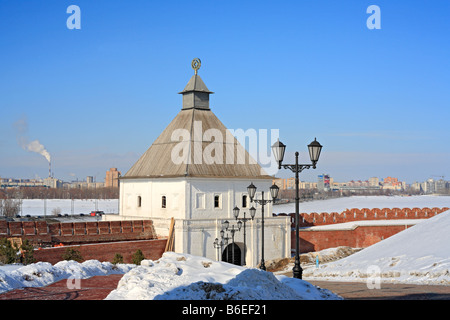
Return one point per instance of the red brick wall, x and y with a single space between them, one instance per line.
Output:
69 233
152 249
95 240
360 237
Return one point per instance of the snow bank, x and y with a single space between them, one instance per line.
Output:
187 277
418 255
173 277
43 273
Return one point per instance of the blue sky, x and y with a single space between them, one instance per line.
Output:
377 100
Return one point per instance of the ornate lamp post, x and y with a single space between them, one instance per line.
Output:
226 225
278 149
223 243
218 245
274 193
243 220
233 230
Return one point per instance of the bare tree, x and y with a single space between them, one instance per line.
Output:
10 207
56 211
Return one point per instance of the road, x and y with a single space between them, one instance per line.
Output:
94 288
387 291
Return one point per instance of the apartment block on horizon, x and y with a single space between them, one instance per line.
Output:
289 184
112 178
392 183
429 186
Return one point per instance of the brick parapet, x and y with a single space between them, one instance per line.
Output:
355 214
41 232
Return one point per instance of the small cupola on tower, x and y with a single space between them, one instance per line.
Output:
196 94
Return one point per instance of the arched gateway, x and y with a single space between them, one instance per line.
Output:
232 254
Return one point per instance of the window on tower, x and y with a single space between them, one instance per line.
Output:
217 201
244 201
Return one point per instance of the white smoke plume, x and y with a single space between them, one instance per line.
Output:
21 126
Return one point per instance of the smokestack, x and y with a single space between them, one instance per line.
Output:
49 169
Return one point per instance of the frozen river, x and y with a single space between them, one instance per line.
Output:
39 207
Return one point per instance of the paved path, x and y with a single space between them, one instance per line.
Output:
387 291
94 288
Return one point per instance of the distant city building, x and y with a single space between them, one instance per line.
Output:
307 185
323 182
416 187
279 183
429 186
52 183
374 182
285 184
16 183
84 184
112 178
392 183
440 186
289 184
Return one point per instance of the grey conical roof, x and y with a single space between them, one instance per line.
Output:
230 159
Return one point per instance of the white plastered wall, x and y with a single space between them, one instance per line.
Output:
190 201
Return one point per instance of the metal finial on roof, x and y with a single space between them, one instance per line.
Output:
196 63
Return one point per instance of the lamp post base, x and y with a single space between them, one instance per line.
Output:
262 265
297 270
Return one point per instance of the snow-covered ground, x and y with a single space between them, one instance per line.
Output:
43 273
187 277
341 204
418 255
173 277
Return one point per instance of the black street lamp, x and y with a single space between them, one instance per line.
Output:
218 245
274 193
233 230
224 236
226 225
278 149
243 220
223 243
